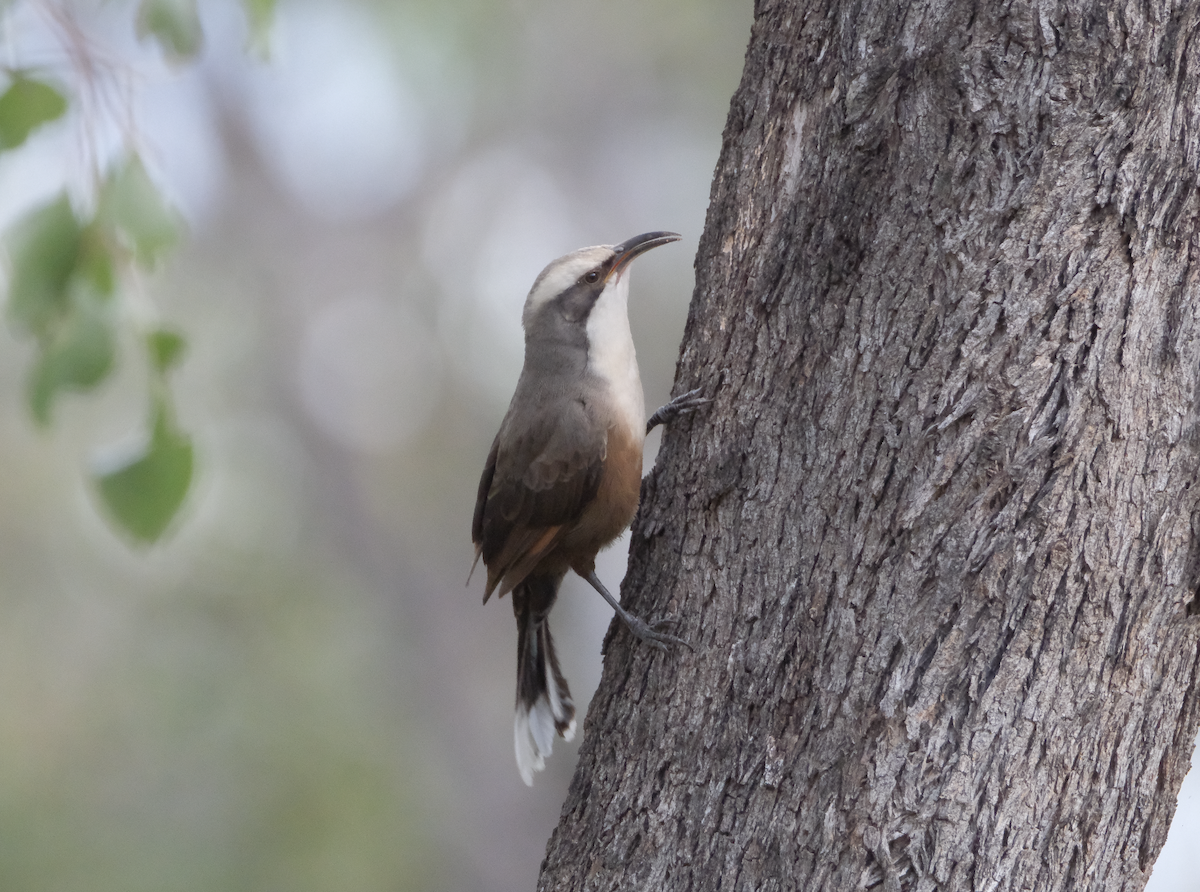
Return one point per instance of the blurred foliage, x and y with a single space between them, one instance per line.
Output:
259 15
62 294
144 493
170 724
25 105
134 212
175 24
66 268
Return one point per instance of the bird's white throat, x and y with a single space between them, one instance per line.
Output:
611 355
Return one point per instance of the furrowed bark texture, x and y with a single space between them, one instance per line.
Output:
935 542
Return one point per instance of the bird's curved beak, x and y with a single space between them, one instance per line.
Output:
639 244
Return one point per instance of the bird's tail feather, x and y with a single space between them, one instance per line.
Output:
544 704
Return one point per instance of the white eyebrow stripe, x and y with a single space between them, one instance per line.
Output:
562 273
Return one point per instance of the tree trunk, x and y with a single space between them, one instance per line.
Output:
934 543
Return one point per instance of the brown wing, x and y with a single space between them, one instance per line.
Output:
535 484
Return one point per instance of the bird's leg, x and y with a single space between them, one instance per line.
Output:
652 634
684 404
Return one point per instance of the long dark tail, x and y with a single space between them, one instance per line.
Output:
544 704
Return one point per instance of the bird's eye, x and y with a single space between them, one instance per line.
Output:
592 277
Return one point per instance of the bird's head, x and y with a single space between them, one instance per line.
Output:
572 286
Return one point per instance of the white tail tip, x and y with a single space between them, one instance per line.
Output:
533 737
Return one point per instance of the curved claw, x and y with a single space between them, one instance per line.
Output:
653 634
684 404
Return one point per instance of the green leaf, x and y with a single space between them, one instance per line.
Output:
94 265
132 206
166 347
77 357
26 105
175 24
145 493
260 16
45 248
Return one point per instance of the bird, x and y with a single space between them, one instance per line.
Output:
563 477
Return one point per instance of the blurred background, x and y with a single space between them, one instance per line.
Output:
296 690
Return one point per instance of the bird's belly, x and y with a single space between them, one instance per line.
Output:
616 501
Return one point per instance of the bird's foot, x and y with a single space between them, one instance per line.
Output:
650 633
654 633
684 404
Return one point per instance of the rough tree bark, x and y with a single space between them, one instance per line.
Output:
936 542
